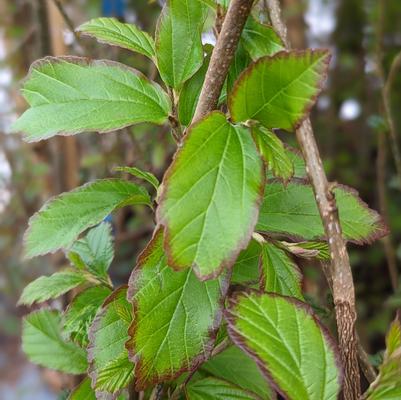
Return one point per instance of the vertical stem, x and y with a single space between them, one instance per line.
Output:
340 269
223 53
381 163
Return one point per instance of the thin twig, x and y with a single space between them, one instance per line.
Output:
364 363
223 53
386 94
176 130
387 86
366 366
157 392
389 251
340 270
67 19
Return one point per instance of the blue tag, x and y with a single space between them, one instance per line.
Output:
113 8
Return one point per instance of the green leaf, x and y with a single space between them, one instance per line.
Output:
211 195
114 32
240 62
274 154
63 218
290 345
387 385
291 210
216 389
234 366
297 161
146 176
44 345
96 249
51 287
81 311
246 268
279 91
179 49
176 317
279 272
190 92
83 391
110 369
319 250
260 40
69 95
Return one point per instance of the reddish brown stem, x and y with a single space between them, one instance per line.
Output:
340 269
222 55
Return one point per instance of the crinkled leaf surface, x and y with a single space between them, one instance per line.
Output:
63 218
211 195
176 317
114 32
279 273
96 249
246 267
81 311
110 369
236 367
260 40
179 49
44 345
279 91
291 210
146 176
387 385
71 95
211 388
289 344
274 154
50 287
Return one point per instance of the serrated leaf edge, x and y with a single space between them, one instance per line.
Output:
140 383
230 318
229 261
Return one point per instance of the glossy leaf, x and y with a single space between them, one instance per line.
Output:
51 287
216 389
260 40
274 154
44 345
387 385
176 317
237 368
213 186
63 218
246 267
114 32
178 40
279 91
71 95
110 369
289 344
279 273
146 176
81 311
291 210
96 249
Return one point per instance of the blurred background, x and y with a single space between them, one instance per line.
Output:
357 122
